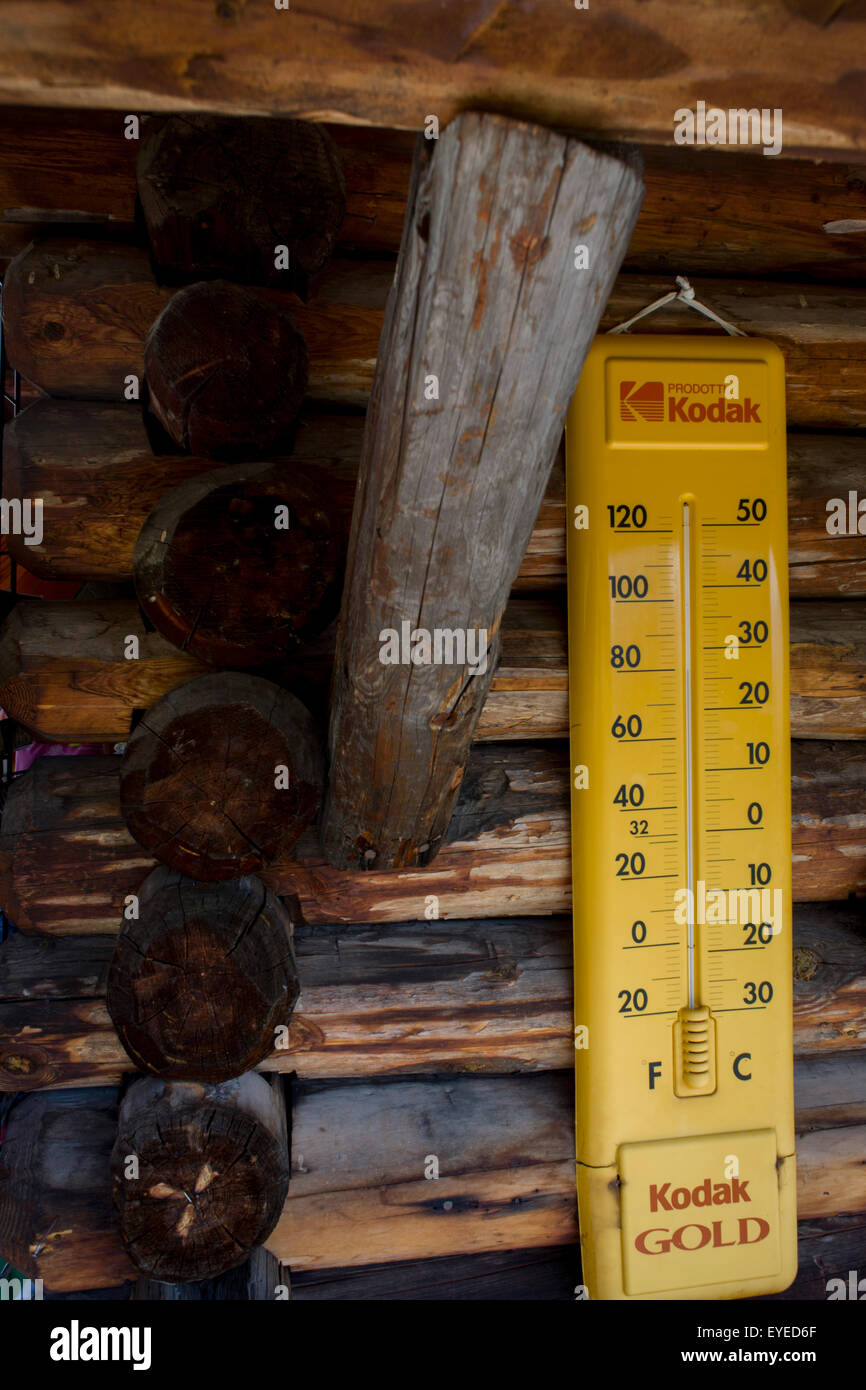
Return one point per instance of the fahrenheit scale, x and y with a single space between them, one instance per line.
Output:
679 713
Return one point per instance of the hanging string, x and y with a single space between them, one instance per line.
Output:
686 295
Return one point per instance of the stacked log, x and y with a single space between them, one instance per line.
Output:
200 1174
73 671
221 775
485 997
424 998
222 197
68 861
203 978
399 1170
93 461
819 328
240 566
226 373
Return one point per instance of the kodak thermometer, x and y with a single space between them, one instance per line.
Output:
681 818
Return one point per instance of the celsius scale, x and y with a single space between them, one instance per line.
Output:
681 818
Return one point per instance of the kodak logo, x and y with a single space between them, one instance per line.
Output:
719 412
705 1194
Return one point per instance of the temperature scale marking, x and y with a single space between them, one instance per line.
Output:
678 648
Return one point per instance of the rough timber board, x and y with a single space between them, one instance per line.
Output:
618 70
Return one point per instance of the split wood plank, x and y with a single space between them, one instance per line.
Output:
616 72
410 998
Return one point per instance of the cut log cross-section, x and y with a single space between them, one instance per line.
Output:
200 1173
238 566
486 276
221 775
219 196
226 372
203 978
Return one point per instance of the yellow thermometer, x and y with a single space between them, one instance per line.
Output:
681 818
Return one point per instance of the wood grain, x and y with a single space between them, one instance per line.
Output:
479 303
411 998
92 465
617 71
106 300
65 675
221 775
211 1177
203 978
67 861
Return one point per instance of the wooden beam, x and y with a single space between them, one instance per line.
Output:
702 208
616 71
359 1193
80 335
93 459
486 276
528 695
407 998
67 861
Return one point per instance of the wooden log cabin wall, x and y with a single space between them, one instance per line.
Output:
304 913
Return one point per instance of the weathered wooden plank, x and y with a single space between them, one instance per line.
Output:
93 460
56 1217
361 1157
475 283
67 861
68 672
703 209
617 71
828 1249
488 996
359 1195
528 696
81 334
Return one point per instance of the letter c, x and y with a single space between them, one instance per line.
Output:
742 1057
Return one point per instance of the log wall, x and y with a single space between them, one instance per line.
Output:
431 1003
